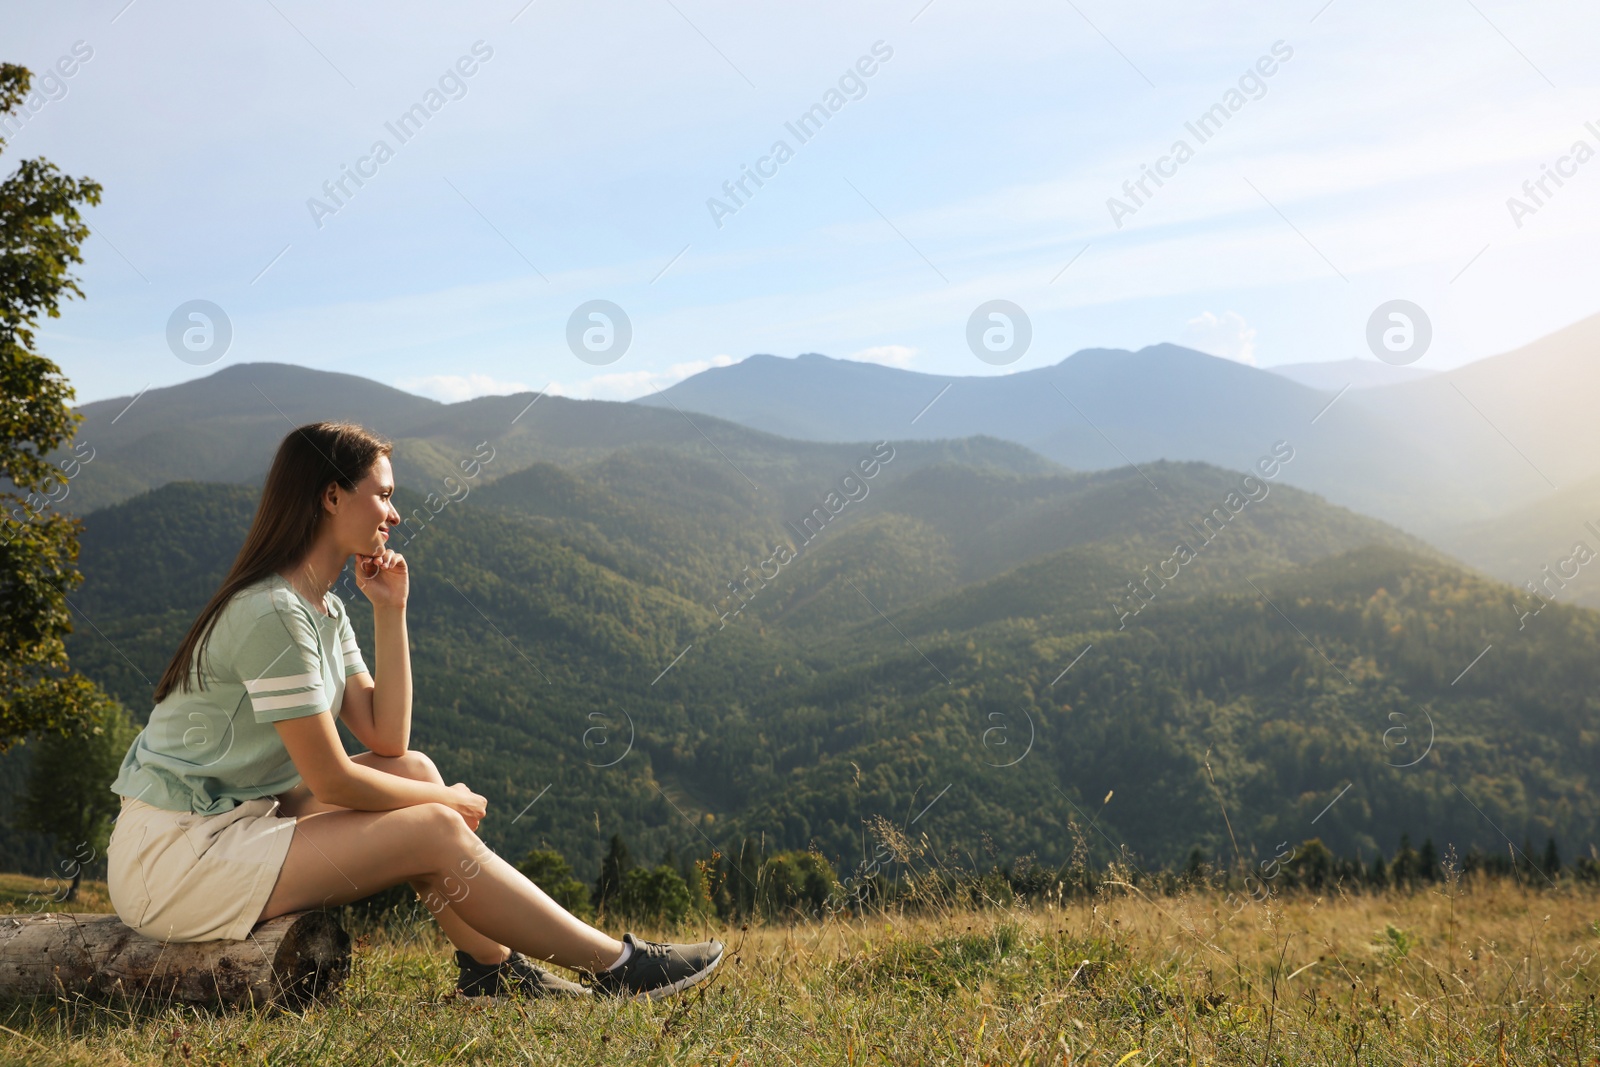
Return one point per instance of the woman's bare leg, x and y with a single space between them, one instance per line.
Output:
340 855
416 765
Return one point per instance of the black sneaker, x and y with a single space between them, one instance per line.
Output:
655 970
516 977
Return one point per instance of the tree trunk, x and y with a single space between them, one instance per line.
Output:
72 891
289 961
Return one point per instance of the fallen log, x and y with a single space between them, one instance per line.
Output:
291 961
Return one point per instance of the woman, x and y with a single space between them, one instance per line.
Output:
240 804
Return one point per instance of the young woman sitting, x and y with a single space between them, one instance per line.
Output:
240 803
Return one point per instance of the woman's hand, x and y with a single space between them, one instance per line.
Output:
471 806
384 578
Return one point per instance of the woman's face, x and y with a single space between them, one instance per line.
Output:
360 521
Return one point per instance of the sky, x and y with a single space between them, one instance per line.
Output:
593 154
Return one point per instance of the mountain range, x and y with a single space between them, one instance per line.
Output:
1431 453
1495 462
691 631
1336 375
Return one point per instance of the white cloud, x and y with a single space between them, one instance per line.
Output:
454 388
888 355
1226 335
627 385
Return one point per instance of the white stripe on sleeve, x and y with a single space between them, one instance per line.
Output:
288 681
289 700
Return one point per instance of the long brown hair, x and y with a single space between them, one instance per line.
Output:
285 525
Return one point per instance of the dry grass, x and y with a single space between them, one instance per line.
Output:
22 894
1482 974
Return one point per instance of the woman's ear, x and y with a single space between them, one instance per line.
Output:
330 498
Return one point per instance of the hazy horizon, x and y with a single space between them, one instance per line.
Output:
983 157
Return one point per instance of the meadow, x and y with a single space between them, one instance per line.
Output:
1467 971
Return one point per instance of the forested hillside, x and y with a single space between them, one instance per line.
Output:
956 650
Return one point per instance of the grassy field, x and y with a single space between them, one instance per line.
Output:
21 894
1468 974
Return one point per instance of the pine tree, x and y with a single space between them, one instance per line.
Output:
1403 869
746 877
613 869
1428 861
1552 859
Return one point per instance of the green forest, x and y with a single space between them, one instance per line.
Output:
947 655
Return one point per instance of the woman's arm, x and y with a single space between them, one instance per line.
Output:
381 715
333 778
391 694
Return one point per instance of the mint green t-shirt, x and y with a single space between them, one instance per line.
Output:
271 656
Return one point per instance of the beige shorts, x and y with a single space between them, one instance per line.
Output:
179 876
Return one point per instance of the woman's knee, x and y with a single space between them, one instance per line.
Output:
454 852
409 764
442 828
418 765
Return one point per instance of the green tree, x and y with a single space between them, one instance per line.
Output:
1313 864
990 889
694 876
613 869
1378 875
658 896
795 881
1428 860
1406 867
1525 862
746 877
1552 859
40 235
67 793
550 871
716 896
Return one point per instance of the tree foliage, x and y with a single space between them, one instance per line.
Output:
796 882
41 232
550 871
67 794
613 873
657 895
